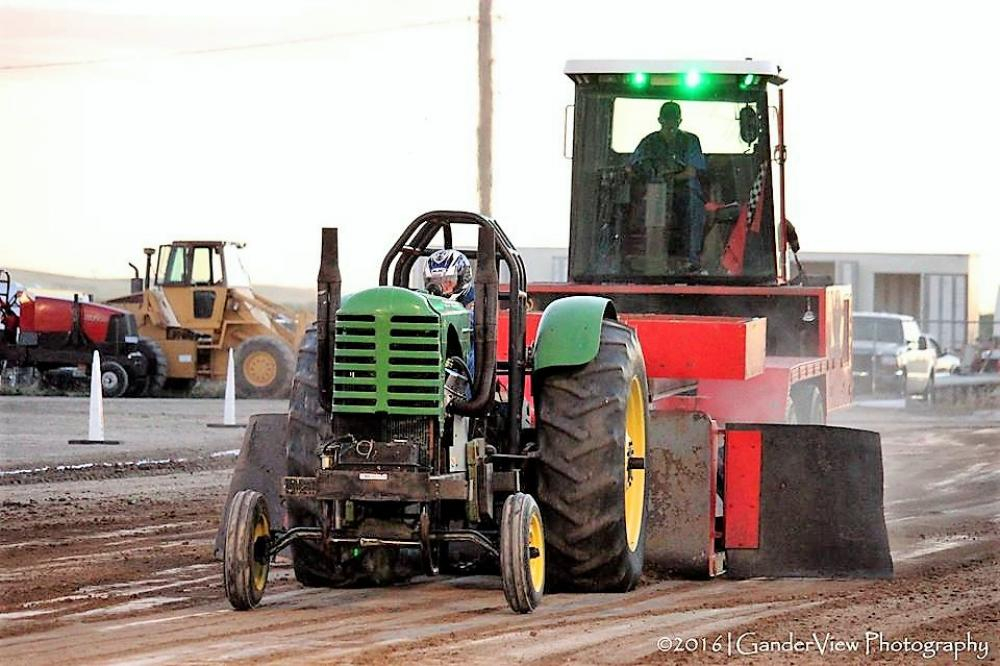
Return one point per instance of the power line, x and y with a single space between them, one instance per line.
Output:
242 47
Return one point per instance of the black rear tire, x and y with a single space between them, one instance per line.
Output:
264 368
156 366
582 480
308 424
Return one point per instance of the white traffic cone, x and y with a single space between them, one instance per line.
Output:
95 426
229 404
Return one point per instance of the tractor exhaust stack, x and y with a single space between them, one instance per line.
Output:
327 304
487 284
149 252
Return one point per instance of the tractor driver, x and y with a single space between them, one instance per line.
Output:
675 154
448 273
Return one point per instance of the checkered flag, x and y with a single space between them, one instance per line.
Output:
751 214
755 207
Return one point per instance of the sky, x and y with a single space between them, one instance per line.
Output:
126 124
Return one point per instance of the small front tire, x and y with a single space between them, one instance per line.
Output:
245 561
522 553
114 379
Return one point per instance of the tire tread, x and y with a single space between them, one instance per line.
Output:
581 417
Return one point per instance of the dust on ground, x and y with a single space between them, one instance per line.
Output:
116 567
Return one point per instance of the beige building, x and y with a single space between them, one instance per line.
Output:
939 290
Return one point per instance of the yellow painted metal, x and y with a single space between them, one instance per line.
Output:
261 529
260 368
181 301
237 314
182 357
536 540
635 479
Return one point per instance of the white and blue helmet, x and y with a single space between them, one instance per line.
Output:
448 273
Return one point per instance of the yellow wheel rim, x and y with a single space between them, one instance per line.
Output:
536 541
260 368
258 569
635 479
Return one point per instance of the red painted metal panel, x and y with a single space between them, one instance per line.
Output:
761 399
683 346
55 315
52 315
530 327
695 347
27 315
742 498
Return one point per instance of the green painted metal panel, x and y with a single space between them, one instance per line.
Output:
388 339
570 332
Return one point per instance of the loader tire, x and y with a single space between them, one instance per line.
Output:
593 506
264 368
308 423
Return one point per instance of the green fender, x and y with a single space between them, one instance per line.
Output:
570 331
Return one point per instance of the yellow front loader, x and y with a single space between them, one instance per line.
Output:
196 306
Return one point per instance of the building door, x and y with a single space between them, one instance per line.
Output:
898 292
945 309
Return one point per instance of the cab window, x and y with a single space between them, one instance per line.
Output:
201 266
170 265
890 330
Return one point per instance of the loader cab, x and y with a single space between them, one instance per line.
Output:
630 220
194 277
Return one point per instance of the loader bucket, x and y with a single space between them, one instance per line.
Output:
804 501
260 466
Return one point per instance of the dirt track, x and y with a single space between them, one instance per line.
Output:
113 564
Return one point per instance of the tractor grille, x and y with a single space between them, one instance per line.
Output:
388 363
380 428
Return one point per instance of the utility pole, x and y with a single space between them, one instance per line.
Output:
485 130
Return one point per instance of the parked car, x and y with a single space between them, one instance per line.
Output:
987 361
891 356
946 363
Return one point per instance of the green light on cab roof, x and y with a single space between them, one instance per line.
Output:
748 81
638 79
692 79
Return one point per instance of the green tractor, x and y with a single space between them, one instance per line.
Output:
395 459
